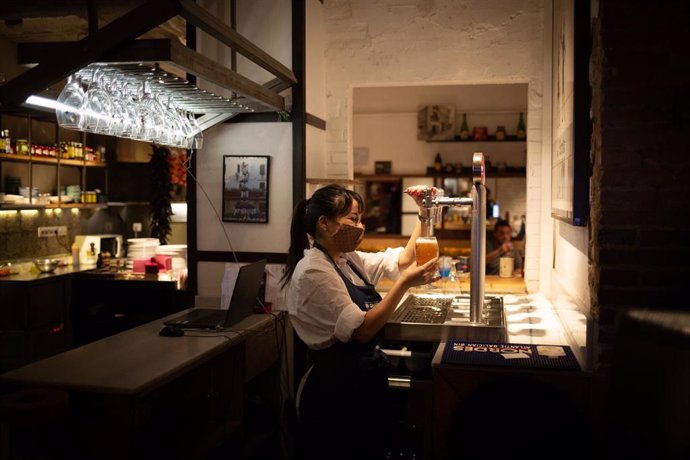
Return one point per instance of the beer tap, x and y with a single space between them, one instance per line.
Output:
477 201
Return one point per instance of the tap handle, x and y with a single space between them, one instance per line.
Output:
478 171
428 198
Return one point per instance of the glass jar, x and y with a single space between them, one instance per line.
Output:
22 147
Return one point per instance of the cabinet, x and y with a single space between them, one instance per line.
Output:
44 169
33 322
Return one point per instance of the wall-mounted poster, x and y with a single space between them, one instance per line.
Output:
571 126
245 189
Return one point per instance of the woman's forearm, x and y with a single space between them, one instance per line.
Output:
377 317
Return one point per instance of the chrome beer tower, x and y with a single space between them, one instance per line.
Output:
477 201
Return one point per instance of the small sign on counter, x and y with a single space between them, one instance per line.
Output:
510 354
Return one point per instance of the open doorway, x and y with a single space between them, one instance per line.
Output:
399 133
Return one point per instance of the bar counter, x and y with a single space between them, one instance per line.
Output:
493 285
140 395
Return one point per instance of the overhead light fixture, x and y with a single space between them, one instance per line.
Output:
42 102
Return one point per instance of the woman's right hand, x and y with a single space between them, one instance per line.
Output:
421 275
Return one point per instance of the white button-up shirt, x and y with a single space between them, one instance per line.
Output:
319 305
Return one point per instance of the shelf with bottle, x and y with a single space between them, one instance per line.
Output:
37 206
466 171
481 133
489 138
39 145
494 171
51 160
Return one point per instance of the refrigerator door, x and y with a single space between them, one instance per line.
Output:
409 207
408 204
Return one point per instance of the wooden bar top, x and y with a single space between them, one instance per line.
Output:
135 361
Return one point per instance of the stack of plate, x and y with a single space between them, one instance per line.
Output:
74 191
140 248
24 191
178 252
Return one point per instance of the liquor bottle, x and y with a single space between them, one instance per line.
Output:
438 164
2 142
521 133
464 129
8 142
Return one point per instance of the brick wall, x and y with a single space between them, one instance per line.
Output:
641 160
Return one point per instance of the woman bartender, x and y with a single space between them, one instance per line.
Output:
336 311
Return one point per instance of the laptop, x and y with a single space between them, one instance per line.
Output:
244 298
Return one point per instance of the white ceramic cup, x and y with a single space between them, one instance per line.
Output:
507 264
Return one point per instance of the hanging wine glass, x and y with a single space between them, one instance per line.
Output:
198 134
70 104
120 123
99 106
188 141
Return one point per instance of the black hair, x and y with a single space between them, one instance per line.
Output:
501 223
332 201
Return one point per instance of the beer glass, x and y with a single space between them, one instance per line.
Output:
426 248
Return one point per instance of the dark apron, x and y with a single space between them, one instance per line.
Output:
342 406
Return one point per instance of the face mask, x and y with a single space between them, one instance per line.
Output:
348 237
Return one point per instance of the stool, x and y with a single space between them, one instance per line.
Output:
35 421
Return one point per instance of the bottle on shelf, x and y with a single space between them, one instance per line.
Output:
464 129
3 142
438 163
521 132
500 133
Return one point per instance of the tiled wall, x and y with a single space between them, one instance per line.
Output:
19 236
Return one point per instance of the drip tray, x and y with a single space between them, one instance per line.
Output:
442 317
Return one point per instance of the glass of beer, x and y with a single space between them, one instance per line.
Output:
426 248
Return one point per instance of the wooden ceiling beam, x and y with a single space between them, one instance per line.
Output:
12 10
146 50
206 68
112 36
213 26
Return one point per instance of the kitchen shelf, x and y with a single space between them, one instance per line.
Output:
48 160
493 172
512 138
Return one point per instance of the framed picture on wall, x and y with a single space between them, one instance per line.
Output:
436 123
245 188
570 126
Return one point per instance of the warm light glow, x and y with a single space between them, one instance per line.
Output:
29 212
57 211
8 213
75 211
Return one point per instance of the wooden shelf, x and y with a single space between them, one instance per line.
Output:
77 205
48 160
21 207
493 172
512 138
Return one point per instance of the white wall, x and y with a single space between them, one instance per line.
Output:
268 24
315 80
445 41
272 139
